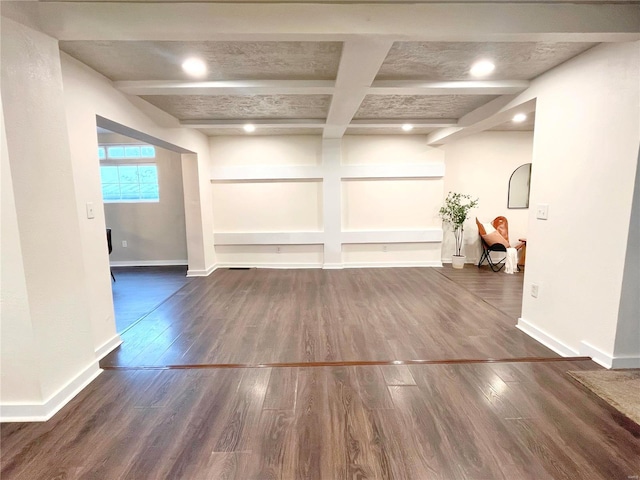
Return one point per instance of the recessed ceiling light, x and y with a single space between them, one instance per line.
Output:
407 127
249 128
519 117
194 67
482 68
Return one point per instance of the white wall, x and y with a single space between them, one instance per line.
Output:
19 375
266 185
60 352
481 165
88 94
585 160
154 231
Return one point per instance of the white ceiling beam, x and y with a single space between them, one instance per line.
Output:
492 87
477 22
396 122
273 123
359 64
236 87
492 114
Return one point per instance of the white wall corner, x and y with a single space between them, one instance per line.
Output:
607 360
107 347
545 339
41 412
202 273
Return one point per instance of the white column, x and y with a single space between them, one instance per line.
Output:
332 202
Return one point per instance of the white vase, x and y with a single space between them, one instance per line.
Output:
457 261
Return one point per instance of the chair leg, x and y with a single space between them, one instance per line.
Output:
114 278
496 266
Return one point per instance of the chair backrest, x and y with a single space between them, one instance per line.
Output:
502 226
499 223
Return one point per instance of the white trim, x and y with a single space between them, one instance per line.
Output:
418 170
269 238
545 339
429 235
279 266
597 355
266 172
626 362
606 360
108 346
431 263
202 273
42 412
332 266
148 263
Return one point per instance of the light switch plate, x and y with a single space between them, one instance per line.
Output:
90 212
542 212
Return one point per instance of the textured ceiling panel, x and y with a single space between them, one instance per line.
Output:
197 107
411 106
438 61
213 132
389 131
133 60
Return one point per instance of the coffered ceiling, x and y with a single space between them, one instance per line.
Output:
328 67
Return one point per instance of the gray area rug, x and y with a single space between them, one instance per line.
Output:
619 388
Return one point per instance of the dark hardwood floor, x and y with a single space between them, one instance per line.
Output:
511 421
296 316
138 290
521 418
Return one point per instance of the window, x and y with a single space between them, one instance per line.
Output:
129 181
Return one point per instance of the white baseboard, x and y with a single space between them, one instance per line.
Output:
108 347
626 362
545 339
468 261
270 265
392 264
41 412
332 266
202 273
606 360
148 263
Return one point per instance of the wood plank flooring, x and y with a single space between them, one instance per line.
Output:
297 316
139 290
511 421
460 418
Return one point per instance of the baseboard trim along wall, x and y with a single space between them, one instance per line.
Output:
148 263
107 347
270 265
393 265
44 411
545 339
606 360
202 273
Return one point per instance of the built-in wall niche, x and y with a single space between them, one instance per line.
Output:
519 187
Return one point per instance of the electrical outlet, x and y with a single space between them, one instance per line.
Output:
542 212
384 248
124 243
535 289
278 249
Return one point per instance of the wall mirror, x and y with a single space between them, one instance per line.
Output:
519 183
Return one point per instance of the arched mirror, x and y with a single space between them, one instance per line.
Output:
519 187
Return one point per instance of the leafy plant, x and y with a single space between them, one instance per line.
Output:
454 212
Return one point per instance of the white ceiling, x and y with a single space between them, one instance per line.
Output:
326 67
